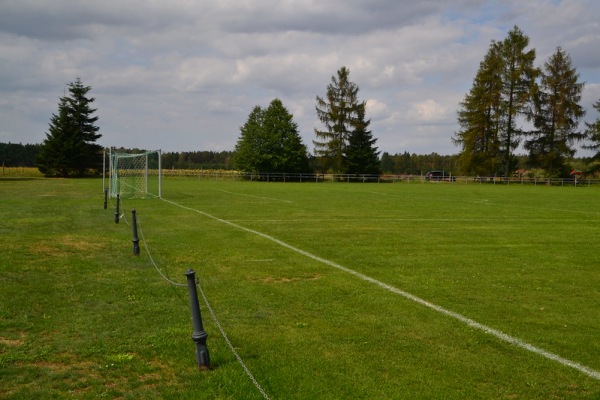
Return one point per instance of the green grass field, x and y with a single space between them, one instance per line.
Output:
295 275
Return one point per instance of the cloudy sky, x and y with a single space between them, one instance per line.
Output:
183 75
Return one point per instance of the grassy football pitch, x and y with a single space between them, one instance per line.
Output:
325 291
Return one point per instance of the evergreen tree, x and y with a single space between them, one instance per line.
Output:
518 79
406 164
18 155
480 118
270 142
289 153
343 116
555 115
69 148
500 95
249 149
592 134
361 155
387 163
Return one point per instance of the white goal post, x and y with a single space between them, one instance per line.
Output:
135 175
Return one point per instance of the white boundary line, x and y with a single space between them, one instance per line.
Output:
256 197
468 321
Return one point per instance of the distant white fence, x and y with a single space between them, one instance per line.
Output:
364 178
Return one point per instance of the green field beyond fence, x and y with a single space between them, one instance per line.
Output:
324 291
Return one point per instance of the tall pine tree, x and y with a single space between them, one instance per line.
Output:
480 118
490 113
518 79
362 156
344 119
69 148
555 115
592 134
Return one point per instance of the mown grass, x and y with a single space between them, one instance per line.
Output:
81 317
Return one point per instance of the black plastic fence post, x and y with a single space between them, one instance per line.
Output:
117 210
199 336
105 198
136 241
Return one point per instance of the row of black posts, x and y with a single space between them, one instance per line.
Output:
199 336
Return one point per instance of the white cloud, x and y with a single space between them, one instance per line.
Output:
376 109
428 112
184 75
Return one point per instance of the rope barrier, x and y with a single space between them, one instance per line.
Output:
166 278
208 306
235 353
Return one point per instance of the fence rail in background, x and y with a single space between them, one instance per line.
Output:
364 178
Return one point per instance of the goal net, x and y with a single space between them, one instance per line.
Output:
135 176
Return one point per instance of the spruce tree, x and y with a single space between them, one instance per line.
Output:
249 149
592 134
555 116
480 118
69 148
362 156
288 152
343 117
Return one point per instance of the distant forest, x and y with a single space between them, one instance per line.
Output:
18 155
24 155
406 163
410 164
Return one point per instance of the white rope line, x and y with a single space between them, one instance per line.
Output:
141 231
472 323
235 353
152 259
210 309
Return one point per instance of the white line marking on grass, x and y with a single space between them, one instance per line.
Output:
256 197
468 321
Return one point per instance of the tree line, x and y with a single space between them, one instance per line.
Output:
269 141
198 160
417 164
18 155
399 163
24 155
513 103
